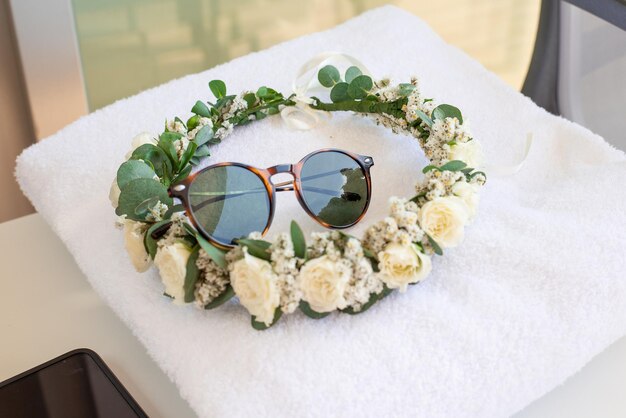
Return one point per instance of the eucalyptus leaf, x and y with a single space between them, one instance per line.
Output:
226 295
429 167
250 99
424 117
204 135
256 247
352 73
339 92
192 275
405 89
436 248
149 241
131 170
447 111
137 192
328 76
174 209
218 88
189 152
166 143
360 87
374 297
144 207
297 238
217 255
201 109
308 311
260 326
454 165
156 156
192 122
262 92
183 174
202 151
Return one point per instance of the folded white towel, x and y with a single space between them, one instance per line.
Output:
536 290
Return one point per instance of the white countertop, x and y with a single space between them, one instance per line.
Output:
49 308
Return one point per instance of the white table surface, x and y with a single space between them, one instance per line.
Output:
48 308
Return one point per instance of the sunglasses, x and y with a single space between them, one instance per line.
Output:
228 201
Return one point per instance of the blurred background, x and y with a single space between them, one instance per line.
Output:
107 50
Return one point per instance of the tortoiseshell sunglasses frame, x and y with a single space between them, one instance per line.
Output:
180 189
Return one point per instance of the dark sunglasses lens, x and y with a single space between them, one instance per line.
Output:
334 188
229 202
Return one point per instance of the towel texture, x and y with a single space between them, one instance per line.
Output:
535 291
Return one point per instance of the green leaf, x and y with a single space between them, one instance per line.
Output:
226 295
372 257
308 311
204 135
360 87
183 174
339 92
201 109
191 276
189 152
202 151
429 167
177 119
262 92
137 192
144 207
174 209
150 241
352 73
260 115
328 76
256 247
217 255
436 248
156 156
218 88
192 122
260 326
405 89
250 99
374 297
447 111
131 170
424 117
166 143
454 165
297 238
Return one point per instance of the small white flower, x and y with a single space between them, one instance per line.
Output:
401 265
114 193
133 240
323 283
468 192
470 153
171 260
444 219
254 283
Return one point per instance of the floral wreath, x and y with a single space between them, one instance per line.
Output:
334 271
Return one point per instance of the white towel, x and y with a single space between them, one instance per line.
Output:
535 291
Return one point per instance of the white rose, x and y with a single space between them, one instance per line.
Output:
443 219
171 260
470 153
323 283
133 240
114 193
401 265
468 192
139 140
254 283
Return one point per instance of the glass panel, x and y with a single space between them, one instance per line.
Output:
129 45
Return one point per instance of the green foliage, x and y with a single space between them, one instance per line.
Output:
149 241
201 109
184 159
339 92
328 76
297 238
352 73
260 326
136 193
131 170
374 297
155 157
193 122
204 135
256 247
436 248
217 255
447 111
202 151
308 311
454 165
218 88
226 295
405 89
360 87
191 276
424 117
